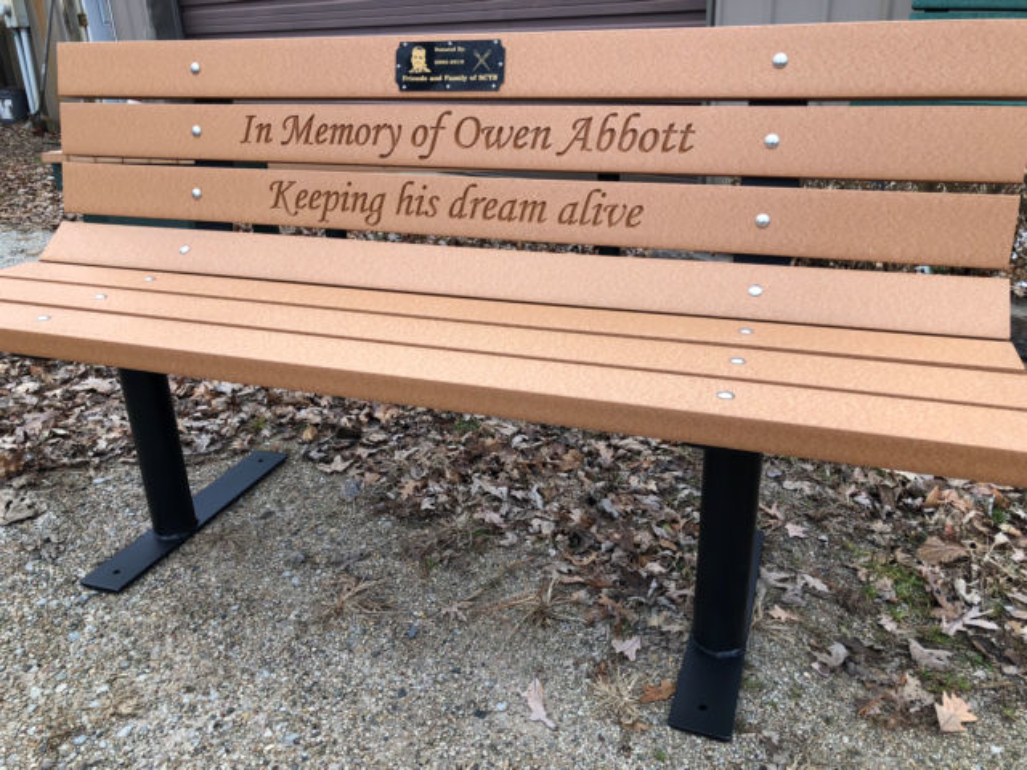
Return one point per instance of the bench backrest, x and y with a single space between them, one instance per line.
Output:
543 113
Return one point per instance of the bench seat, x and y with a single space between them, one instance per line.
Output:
930 403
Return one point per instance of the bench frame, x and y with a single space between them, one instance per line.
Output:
728 552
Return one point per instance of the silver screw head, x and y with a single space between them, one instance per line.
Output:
780 60
42 318
762 220
149 279
197 131
184 249
770 141
725 395
745 330
99 296
195 68
198 193
755 290
737 361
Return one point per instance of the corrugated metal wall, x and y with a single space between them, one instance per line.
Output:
735 12
265 18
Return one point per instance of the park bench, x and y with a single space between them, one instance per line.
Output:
878 367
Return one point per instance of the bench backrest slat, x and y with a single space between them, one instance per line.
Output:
941 229
958 306
965 59
898 142
573 105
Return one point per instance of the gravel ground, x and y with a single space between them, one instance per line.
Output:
236 653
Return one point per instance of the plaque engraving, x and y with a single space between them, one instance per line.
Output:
456 65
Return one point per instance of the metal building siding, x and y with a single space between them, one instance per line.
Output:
737 12
265 18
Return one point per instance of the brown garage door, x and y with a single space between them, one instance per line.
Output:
264 18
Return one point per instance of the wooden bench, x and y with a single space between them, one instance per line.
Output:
884 368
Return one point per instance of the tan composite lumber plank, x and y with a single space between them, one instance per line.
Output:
907 142
888 226
958 306
945 59
957 352
932 383
930 437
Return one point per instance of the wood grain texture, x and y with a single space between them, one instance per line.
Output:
919 143
956 352
945 60
930 437
956 306
886 226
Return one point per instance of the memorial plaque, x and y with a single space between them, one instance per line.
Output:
457 65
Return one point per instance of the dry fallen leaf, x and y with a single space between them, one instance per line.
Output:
814 583
835 656
935 660
952 713
779 613
887 622
15 508
937 551
338 465
535 704
933 499
972 617
651 693
794 530
628 647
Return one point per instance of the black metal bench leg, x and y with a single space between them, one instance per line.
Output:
175 513
729 556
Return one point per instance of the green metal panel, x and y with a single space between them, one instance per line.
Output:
968 15
969 5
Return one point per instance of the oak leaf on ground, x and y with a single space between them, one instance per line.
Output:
952 713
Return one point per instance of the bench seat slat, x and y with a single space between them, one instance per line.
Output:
955 352
842 61
930 437
888 226
914 142
1005 390
957 306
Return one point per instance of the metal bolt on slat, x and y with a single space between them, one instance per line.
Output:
42 318
780 60
149 279
195 68
99 296
737 361
197 193
197 131
771 141
762 221
184 249
725 395
745 330
755 290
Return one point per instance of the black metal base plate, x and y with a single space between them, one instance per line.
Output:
118 572
707 692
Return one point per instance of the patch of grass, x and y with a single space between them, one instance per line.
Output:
999 516
660 755
256 425
466 425
911 594
938 682
935 637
